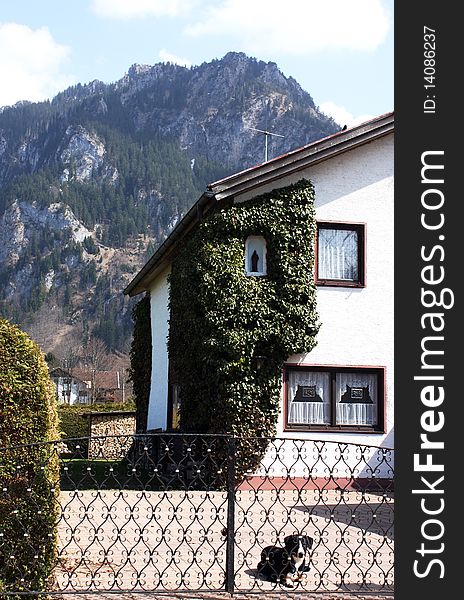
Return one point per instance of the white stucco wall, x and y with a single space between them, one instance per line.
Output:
357 324
159 298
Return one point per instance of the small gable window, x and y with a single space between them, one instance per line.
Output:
255 256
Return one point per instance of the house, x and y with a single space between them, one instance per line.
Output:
70 389
87 386
342 388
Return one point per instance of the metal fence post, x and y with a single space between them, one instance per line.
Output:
230 538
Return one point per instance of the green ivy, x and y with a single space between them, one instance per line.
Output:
221 318
140 357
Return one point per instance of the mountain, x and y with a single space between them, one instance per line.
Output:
93 180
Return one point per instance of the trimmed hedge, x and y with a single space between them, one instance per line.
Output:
29 475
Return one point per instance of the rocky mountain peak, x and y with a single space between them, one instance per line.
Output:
95 179
136 70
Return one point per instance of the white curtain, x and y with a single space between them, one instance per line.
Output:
303 412
338 254
353 391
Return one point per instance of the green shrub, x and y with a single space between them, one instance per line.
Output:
72 423
29 474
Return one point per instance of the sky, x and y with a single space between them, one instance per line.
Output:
340 51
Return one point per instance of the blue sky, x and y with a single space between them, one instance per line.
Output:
340 51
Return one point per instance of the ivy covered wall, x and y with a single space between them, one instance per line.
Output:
222 319
140 357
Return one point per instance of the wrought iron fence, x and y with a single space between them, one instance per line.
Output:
174 512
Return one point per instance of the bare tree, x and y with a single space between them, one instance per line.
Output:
69 361
96 357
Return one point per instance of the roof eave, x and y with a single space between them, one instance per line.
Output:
159 260
302 158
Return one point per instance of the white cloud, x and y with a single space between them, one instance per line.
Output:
341 115
166 56
30 64
297 26
137 9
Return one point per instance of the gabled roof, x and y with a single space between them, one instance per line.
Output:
60 372
254 177
104 380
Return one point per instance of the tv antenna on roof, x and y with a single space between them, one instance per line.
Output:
266 135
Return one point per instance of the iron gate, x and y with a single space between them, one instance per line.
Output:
174 512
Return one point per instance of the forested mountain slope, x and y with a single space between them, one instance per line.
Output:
93 180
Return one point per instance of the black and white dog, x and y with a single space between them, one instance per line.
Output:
287 564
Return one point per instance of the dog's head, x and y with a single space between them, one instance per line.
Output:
297 546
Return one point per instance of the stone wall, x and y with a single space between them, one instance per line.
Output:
114 425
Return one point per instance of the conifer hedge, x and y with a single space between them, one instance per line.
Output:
29 474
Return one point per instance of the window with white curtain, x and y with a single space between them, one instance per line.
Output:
356 398
308 397
339 397
340 254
